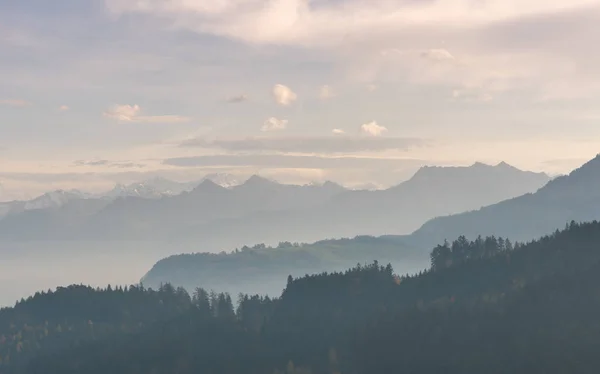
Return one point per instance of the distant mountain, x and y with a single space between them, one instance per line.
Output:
431 192
263 211
565 198
54 199
49 200
223 179
135 190
157 187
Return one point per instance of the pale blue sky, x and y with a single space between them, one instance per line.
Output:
432 81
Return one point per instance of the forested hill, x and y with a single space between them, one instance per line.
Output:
485 306
572 197
263 269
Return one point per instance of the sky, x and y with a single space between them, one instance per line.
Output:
95 92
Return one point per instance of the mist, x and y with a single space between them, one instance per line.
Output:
29 267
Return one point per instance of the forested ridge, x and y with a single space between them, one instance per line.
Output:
484 306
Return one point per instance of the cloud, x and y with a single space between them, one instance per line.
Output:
372 129
437 55
130 113
289 161
124 113
302 22
16 103
91 163
274 124
237 99
371 87
63 108
501 45
109 164
323 145
326 92
471 95
338 131
283 95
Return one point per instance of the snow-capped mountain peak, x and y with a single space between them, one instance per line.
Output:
54 199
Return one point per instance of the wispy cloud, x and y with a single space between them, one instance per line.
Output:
324 145
109 164
326 92
338 132
289 161
371 87
63 108
237 99
16 103
274 124
301 22
471 95
437 55
130 113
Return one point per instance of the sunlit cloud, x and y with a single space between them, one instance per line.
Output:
16 103
274 124
372 129
130 113
283 95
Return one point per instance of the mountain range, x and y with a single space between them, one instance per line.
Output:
153 188
259 210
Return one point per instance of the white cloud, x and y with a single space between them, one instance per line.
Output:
338 131
372 129
16 103
274 124
63 108
130 113
283 95
326 92
124 113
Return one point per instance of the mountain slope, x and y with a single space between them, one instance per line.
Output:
572 197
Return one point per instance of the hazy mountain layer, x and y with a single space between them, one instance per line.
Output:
262 211
572 197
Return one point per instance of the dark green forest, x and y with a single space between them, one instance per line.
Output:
484 306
